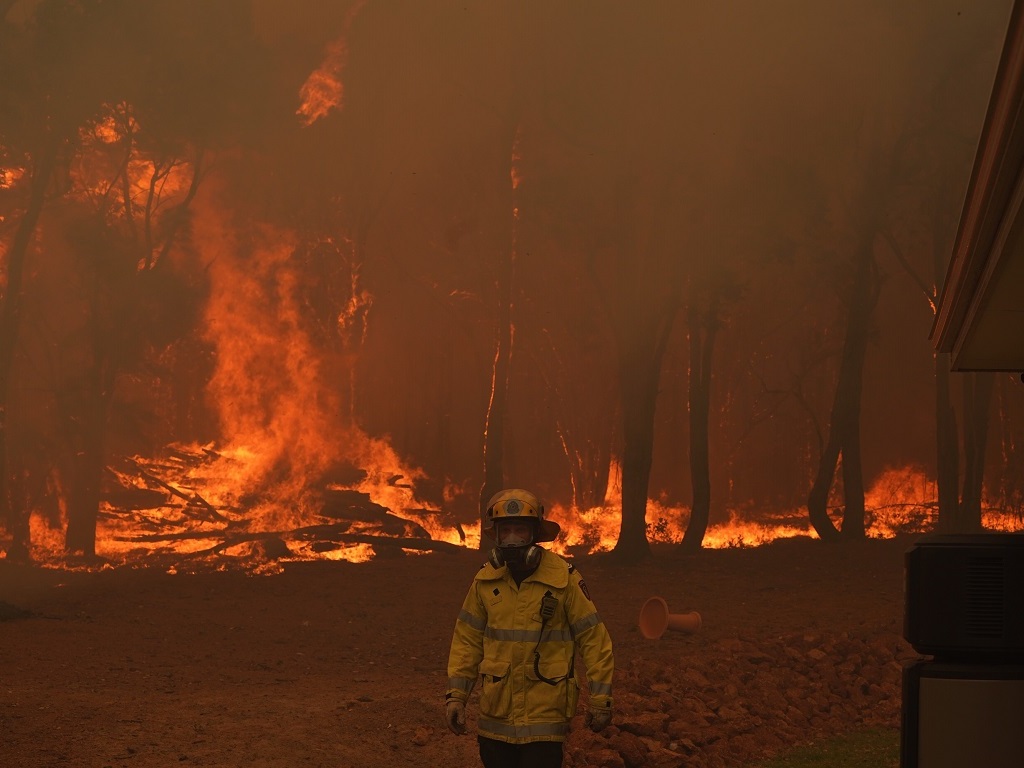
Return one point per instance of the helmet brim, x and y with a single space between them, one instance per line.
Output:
547 530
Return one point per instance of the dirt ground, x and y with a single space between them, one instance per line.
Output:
341 664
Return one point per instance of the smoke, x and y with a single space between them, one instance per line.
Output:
659 153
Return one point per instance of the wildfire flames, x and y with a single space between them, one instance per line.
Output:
200 513
294 479
324 89
292 476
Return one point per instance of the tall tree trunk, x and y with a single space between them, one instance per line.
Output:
494 422
88 462
640 360
977 402
947 448
817 499
947 439
588 469
595 477
445 404
844 424
702 343
87 427
853 481
10 324
1008 478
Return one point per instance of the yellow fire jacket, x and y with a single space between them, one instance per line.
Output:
529 689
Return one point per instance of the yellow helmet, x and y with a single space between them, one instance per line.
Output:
522 505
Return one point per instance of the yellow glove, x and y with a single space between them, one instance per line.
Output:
455 716
598 718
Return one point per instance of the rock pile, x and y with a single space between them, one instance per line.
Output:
745 699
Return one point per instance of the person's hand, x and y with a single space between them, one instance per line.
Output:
597 719
455 716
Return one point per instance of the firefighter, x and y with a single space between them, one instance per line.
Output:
527 614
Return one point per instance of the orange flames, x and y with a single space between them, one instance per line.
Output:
284 436
208 508
10 176
901 500
263 494
324 89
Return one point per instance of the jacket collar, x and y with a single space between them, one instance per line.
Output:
552 571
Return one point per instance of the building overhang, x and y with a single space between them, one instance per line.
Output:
980 316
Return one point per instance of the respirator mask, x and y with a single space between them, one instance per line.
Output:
515 546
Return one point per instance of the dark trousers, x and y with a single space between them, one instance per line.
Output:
536 754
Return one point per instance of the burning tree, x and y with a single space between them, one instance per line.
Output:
466 245
124 110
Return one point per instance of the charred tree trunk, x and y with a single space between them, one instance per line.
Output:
702 343
640 360
947 451
10 323
1009 467
444 421
494 422
844 424
817 499
947 439
109 339
17 515
638 407
84 496
588 461
87 422
977 402
853 479
592 484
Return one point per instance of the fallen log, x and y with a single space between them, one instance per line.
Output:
346 504
194 500
134 498
336 533
344 538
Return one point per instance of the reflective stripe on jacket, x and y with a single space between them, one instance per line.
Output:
501 627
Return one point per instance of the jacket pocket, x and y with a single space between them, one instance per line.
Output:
551 702
496 690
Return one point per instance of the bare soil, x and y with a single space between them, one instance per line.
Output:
341 664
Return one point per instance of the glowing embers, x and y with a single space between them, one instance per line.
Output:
192 509
200 508
45 537
597 529
900 501
9 177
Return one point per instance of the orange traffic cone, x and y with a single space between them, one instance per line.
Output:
655 619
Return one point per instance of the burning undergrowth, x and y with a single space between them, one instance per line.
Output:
197 507
181 510
291 475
